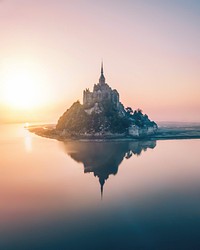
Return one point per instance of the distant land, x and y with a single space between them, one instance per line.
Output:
102 116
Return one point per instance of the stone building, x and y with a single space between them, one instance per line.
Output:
102 114
101 91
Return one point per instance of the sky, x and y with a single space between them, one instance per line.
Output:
51 50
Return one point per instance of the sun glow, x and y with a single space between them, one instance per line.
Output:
22 87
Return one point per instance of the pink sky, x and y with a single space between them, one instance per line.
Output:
151 53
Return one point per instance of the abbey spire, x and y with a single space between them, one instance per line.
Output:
102 78
102 67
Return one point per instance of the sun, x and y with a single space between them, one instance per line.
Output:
21 87
19 90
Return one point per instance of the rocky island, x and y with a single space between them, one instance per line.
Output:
102 115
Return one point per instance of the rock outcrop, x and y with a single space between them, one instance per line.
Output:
103 115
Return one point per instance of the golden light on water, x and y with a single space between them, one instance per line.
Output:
26 125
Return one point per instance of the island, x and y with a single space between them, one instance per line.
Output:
102 116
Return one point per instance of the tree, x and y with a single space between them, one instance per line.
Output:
139 110
129 110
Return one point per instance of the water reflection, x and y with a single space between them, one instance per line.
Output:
104 158
28 142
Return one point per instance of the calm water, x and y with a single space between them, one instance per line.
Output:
111 195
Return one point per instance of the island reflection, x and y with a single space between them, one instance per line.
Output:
104 158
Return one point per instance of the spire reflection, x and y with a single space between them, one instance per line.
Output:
104 158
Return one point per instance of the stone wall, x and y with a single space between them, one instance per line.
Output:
100 92
135 131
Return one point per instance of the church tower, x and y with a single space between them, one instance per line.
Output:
102 77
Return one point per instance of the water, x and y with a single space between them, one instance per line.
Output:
111 195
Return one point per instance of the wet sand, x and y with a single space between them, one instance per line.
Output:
163 133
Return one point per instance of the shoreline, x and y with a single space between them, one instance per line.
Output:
163 133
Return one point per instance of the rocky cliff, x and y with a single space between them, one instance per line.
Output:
103 115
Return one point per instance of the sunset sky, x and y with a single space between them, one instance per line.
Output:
51 50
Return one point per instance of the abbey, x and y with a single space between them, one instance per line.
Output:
101 92
103 115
